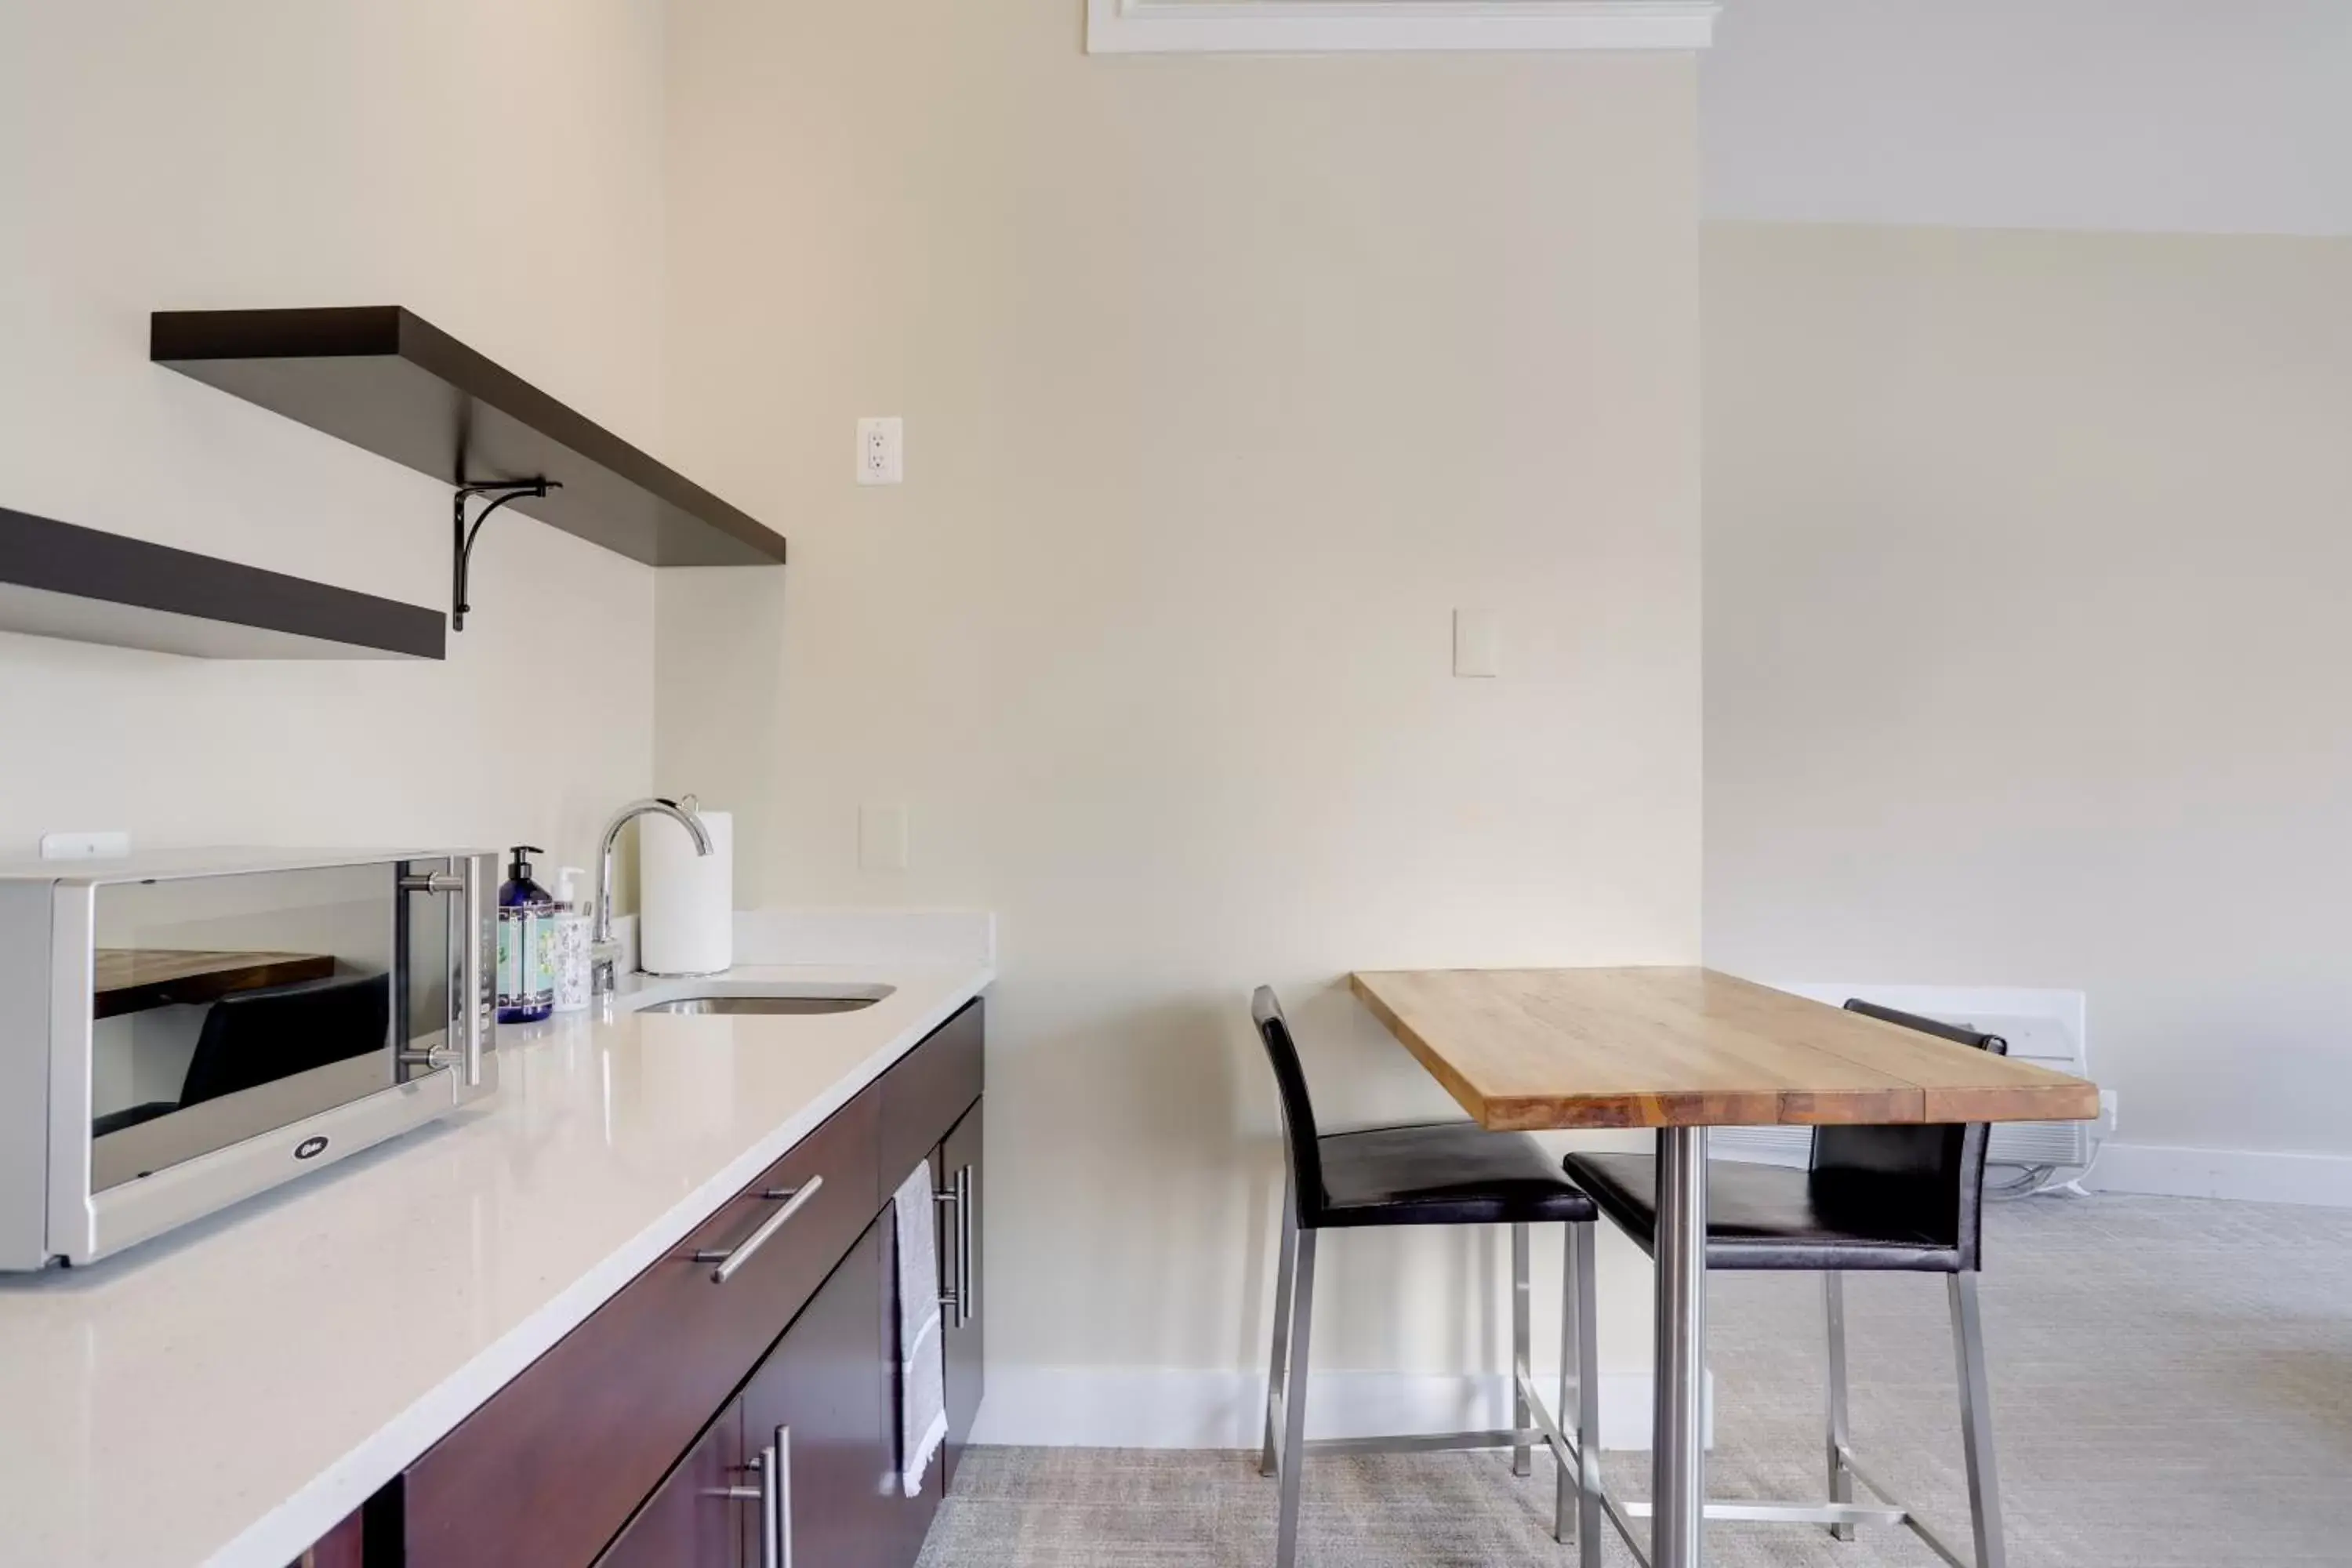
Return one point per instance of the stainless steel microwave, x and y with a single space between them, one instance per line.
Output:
181 1030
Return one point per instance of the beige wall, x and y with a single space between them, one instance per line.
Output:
496 168
1224 381
2026 633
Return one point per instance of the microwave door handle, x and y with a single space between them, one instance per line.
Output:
471 969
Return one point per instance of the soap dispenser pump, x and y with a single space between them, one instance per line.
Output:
526 943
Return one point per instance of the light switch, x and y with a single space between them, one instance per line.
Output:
881 450
882 838
1477 643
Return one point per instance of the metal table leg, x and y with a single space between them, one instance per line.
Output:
1678 1453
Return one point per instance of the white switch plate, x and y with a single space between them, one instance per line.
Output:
85 846
881 450
1477 643
882 838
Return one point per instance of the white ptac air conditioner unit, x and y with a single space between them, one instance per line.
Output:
2046 1028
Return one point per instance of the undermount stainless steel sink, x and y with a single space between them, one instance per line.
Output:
764 1004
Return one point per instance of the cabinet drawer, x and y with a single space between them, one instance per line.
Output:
928 1091
547 1471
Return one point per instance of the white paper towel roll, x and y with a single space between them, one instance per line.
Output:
686 922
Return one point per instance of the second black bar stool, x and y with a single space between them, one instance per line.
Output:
1452 1173
1905 1199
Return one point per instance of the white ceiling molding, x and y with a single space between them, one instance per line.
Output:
1324 26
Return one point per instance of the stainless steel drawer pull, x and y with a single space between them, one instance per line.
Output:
733 1257
775 1498
951 1265
968 1303
776 1479
955 1251
774 1495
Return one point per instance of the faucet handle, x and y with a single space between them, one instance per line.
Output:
604 967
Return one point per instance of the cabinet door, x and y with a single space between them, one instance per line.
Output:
825 1396
960 1157
345 1546
703 1515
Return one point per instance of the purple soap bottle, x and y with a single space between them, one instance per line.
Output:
526 943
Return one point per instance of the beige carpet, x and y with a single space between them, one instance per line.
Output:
2172 1388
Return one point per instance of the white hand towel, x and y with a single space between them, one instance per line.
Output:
922 1360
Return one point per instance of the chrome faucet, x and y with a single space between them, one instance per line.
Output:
603 952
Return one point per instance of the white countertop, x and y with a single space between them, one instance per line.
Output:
224 1394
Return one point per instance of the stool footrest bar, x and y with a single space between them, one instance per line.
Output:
1791 1513
1824 1513
1430 1442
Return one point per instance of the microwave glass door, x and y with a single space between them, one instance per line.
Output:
224 1007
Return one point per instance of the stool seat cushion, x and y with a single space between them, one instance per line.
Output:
1449 1172
1765 1216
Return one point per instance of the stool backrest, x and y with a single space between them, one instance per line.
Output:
1932 1176
257 1036
1300 1150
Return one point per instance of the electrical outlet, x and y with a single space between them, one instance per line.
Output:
2106 1122
881 450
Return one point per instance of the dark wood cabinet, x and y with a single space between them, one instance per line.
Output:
704 1515
826 1399
345 1546
928 1093
545 1473
960 1254
634 1442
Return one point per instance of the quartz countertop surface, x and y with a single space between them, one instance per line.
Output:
224 1394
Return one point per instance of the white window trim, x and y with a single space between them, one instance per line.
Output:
1319 26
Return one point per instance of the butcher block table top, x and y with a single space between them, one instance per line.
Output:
1524 1049
130 980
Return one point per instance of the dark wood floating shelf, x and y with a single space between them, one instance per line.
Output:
383 378
58 580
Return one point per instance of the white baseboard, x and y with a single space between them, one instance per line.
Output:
1156 1407
2323 1180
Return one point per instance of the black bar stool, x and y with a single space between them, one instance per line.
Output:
1903 1199
1445 1173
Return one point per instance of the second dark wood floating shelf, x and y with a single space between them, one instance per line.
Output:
60 580
383 378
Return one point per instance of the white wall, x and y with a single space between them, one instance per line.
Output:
2021 637
2177 116
1224 381
496 168
2026 642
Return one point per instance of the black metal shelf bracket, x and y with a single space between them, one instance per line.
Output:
461 538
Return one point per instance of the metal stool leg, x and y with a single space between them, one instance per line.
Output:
1294 1406
1571 1378
1841 1441
1281 1289
1976 1423
1579 1337
1522 1369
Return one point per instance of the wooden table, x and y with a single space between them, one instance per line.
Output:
1681 1050
130 980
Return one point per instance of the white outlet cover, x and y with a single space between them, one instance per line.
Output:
881 449
882 838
